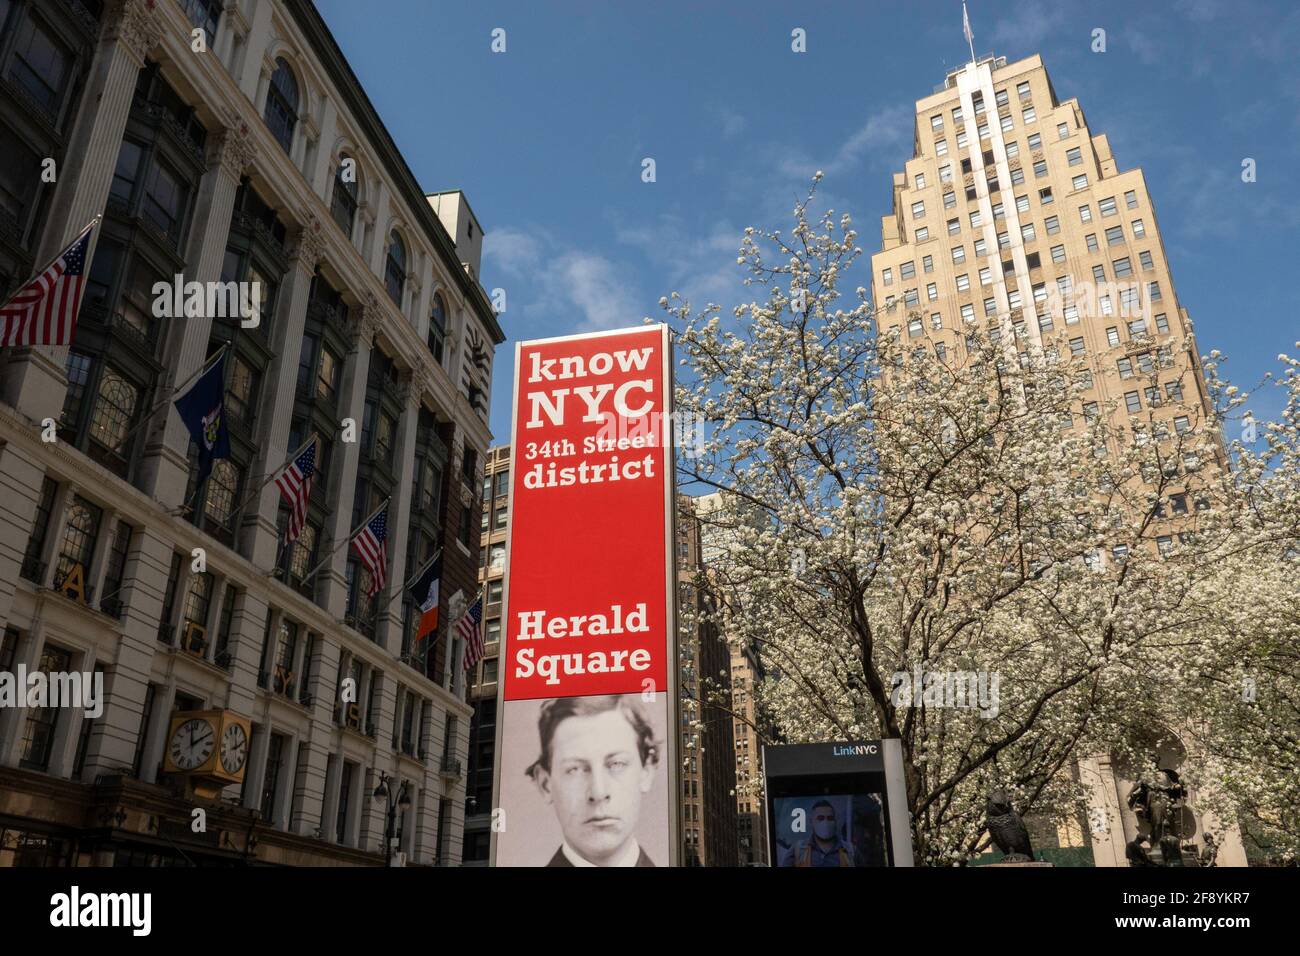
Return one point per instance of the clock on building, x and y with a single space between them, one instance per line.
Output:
234 748
209 746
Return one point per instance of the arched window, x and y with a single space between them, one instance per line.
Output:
395 269
437 328
223 486
282 104
114 409
343 204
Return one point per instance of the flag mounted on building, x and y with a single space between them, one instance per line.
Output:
368 542
44 311
425 591
203 410
470 630
295 485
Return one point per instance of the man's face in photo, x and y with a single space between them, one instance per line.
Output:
823 821
596 782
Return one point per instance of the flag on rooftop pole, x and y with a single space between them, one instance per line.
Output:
44 311
965 29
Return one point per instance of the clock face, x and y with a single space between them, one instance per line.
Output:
192 744
234 748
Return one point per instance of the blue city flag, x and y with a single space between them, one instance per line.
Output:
203 410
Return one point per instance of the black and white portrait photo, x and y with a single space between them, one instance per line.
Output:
584 782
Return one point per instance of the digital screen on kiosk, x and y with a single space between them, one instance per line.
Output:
836 821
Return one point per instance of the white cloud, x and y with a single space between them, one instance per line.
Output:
558 289
882 132
1023 31
700 265
730 122
514 251
598 289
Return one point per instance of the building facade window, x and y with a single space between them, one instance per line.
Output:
395 268
282 105
343 200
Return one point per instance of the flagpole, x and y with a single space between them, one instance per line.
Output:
90 249
970 36
153 411
352 534
424 567
414 656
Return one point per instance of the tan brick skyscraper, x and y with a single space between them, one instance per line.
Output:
1013 214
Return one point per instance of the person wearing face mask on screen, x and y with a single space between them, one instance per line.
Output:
825 847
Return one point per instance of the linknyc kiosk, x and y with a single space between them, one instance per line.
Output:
837 805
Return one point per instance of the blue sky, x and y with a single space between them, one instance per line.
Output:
547 139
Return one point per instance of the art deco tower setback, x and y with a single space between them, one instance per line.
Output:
1012 212
1013 216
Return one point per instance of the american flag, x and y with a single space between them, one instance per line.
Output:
469 627
369 543
295 484
44 311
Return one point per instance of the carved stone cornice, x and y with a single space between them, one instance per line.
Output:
135 24
235 150
408 390
308 247
368 320
418 382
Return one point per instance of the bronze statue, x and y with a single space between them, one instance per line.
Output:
1007 829
1210 852
1157 800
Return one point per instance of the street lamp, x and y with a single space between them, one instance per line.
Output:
402 799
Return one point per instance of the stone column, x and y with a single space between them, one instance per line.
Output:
321 177
258 35
330 806
67 732
313 795
389 626
353 389
156 733
35 381
148 565
215 607
1105 818
13 719
378 251
63 499
278 392
21 479
426 824
256 767
248 631
98 569
357 800
282 803
165 465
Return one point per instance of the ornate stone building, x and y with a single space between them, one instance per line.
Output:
230 142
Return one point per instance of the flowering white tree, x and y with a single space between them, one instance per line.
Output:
1244 687
890 508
